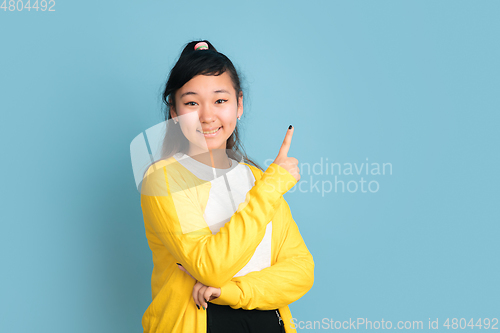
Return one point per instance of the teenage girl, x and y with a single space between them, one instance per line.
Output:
227 254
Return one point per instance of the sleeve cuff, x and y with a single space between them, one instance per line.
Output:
230 294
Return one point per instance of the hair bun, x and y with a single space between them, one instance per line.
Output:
201 46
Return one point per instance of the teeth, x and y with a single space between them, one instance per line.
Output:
215 130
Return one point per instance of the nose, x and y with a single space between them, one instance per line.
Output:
206 113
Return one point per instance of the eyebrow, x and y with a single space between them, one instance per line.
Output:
215 91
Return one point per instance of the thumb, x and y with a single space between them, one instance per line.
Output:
285 146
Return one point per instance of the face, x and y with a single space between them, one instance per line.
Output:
207 111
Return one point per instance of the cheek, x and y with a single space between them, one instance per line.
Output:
186 129
229 125
182 111
189 122
229 116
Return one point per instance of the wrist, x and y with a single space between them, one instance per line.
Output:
229 294
277 179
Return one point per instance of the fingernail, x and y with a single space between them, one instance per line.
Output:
290 127
198 306
178 264
203 307
205 300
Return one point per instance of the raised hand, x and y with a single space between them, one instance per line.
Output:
288 163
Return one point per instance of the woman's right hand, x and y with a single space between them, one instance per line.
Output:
283 160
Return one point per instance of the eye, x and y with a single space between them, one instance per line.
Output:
223 100
188 103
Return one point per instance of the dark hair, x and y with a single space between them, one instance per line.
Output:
191 63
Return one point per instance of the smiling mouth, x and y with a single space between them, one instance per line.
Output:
209 132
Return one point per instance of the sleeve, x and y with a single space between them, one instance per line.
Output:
290 278
211 259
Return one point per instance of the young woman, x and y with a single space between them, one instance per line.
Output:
227 254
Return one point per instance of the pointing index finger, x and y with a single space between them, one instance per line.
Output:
286 142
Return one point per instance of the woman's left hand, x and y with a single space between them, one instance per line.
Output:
202 294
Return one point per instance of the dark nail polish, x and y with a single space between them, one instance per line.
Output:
178 264
198 306
290 127
203 307
205 300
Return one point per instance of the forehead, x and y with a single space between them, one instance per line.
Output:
207 84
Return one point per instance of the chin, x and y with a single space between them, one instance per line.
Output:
212 147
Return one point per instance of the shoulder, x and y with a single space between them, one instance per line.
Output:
257 173
167 176
170 166
158 165
161 167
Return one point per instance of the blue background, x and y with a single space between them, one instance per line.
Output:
411 83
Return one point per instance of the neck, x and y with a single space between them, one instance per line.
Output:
216 158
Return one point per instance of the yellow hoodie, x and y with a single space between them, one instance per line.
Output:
169 194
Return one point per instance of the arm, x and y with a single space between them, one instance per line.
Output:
212 259
281 284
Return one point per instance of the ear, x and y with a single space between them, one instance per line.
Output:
240 104
173 114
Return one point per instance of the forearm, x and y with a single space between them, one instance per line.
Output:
284 282
215 259
270 288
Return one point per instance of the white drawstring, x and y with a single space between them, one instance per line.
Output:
279 317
